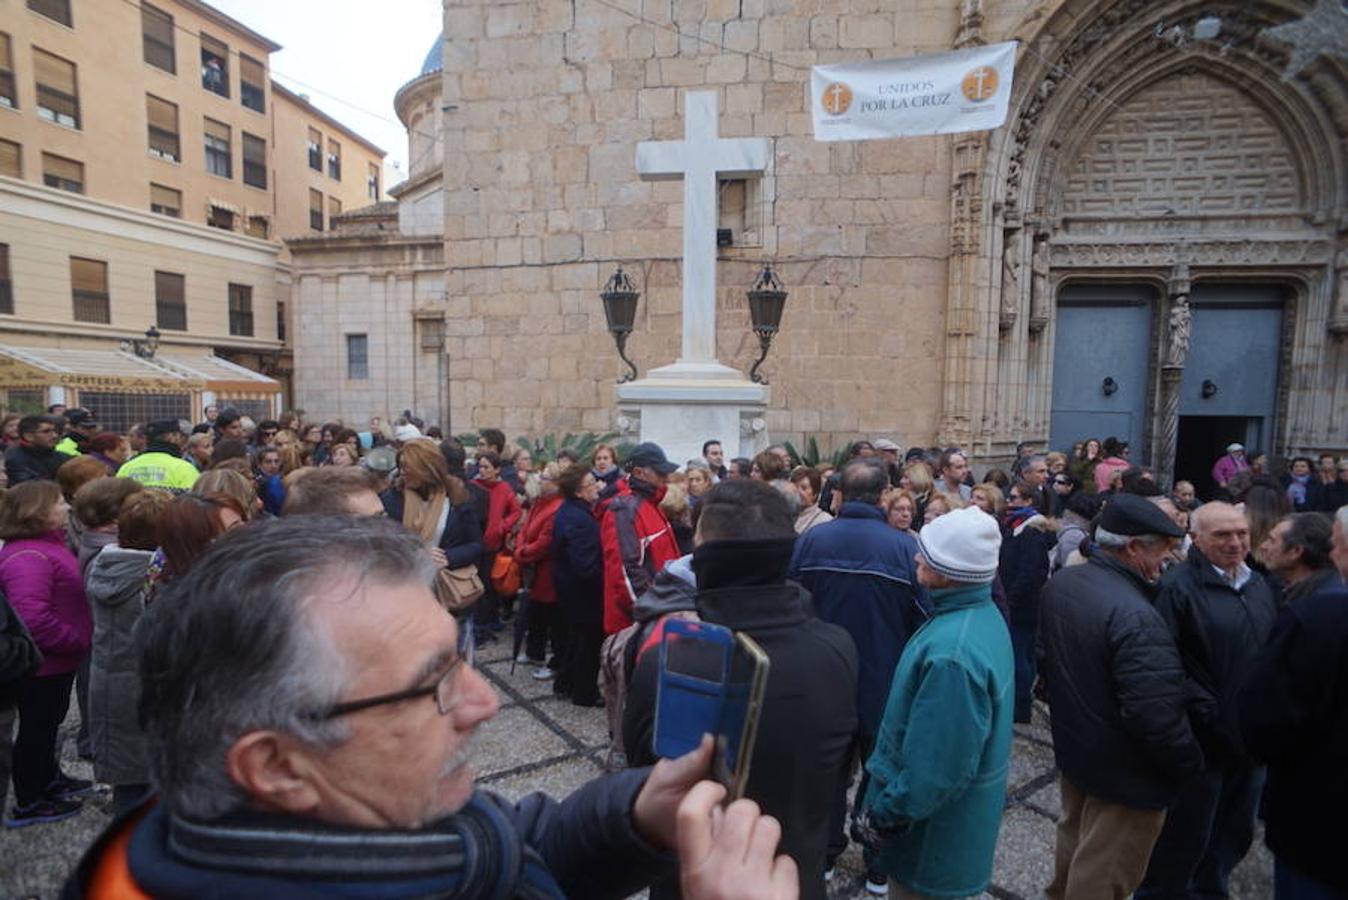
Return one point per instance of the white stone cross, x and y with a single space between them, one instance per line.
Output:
700 159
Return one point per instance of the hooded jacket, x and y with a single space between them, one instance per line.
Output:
503 512
116 589
42 580
809 706
1115 686
1027 542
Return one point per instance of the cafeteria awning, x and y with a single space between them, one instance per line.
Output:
115 370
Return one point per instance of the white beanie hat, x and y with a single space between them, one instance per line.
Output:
962 545
404 433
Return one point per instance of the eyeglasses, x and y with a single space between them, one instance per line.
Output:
446 689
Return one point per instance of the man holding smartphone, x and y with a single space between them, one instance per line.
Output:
743 545
938 773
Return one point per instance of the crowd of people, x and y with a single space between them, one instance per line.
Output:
252 616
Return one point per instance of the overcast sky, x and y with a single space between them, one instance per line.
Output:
349 56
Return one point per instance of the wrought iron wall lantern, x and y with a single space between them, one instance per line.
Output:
1109 386
145 347
767 300
620 310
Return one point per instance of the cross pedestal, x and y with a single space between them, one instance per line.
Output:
696 398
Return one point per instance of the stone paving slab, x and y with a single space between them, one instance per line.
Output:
541 742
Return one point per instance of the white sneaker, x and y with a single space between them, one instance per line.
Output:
877 888
544 674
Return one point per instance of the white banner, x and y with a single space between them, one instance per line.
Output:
945 93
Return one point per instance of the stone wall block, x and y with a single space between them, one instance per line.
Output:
824 32
740 34
866 32
728 68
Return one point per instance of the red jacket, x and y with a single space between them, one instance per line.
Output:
637 542
503 511
534 546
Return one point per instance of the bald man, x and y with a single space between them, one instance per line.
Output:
1221 613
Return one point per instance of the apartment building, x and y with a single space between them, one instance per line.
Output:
149 167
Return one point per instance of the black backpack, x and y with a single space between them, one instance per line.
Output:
19 656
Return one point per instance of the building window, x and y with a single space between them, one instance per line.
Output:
56 10
163 119
214 66
241 310
118 412
89 290
252 83
11 159
6 286
357 357
218 158
62 173
9 92
254 161
334 159
58 100
280 320
315 209
334 209
170 301
220 217
157 38
315 150
166 201
372 182
258 227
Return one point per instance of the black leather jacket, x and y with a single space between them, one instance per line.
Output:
1115 686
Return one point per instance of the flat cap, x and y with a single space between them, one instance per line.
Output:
1133 516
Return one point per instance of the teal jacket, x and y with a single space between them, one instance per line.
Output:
942 756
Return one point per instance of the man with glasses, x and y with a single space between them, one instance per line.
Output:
310 712
34 457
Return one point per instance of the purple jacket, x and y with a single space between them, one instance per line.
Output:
1228 467
42 580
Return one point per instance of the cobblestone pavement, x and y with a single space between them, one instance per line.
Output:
538 743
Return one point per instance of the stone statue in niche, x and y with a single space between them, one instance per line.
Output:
1040 300
1180 327
1010 278
1338 317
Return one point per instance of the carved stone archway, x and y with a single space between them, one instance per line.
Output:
1024 218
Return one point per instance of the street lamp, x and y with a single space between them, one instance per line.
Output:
145 347
620 309
767 299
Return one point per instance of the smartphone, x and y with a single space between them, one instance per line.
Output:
712 681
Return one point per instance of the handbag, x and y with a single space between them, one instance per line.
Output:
458 589
19 655
505 574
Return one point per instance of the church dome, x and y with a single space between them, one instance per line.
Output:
434 57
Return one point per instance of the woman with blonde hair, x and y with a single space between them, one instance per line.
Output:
434 505
901 511
232 483
989 498
917 478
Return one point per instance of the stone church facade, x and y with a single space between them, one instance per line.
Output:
1155 244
